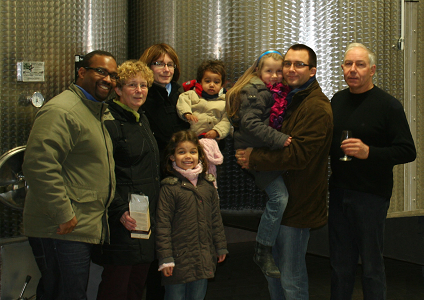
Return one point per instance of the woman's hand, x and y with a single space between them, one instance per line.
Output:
191 118
128 222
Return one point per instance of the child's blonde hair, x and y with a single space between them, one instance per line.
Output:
232 97
176 139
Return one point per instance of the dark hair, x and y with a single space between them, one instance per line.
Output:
154 52
86 60
176 139
214 66
312 56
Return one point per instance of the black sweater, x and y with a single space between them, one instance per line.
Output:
378 119
162 114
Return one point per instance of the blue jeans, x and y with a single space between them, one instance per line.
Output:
289 253
356 223
195 290
64 267
271 218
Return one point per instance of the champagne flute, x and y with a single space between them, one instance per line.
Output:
346 134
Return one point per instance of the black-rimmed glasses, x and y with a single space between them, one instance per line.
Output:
104 73
161 65
297 64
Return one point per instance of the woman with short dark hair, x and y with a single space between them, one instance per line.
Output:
160 106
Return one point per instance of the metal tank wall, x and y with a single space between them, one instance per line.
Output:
234 31
54 32
238 31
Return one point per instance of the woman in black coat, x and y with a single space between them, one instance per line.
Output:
126 260
160 106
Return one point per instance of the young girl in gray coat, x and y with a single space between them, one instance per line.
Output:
190 236
257 115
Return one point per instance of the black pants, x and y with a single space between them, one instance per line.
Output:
154 288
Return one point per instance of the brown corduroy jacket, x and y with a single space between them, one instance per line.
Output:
309 121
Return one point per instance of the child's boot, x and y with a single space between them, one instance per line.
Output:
264 259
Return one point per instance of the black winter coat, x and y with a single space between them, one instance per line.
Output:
162 114
137 171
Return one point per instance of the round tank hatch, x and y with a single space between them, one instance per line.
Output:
13 186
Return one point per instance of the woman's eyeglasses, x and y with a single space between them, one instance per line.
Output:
161 65
134 86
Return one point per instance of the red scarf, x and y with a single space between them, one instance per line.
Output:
279 93
193 84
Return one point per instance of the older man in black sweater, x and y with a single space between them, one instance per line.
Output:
360 189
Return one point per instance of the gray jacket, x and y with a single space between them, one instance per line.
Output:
252 126
69 168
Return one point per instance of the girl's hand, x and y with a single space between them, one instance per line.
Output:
128 222
221 258
288 141
167 271
242 156
211 134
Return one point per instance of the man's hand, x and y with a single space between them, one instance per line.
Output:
356 148
67 227
191 118
242 156
128 222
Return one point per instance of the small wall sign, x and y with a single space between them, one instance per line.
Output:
30 71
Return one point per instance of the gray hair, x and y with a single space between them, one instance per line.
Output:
371 55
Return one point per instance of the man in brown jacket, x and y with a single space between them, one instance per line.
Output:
309 121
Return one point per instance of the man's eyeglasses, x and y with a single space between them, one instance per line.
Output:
161 65
104 73
297 64
134 86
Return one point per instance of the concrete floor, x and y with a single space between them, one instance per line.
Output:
238 278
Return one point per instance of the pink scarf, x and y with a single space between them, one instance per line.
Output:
190 174
279 93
